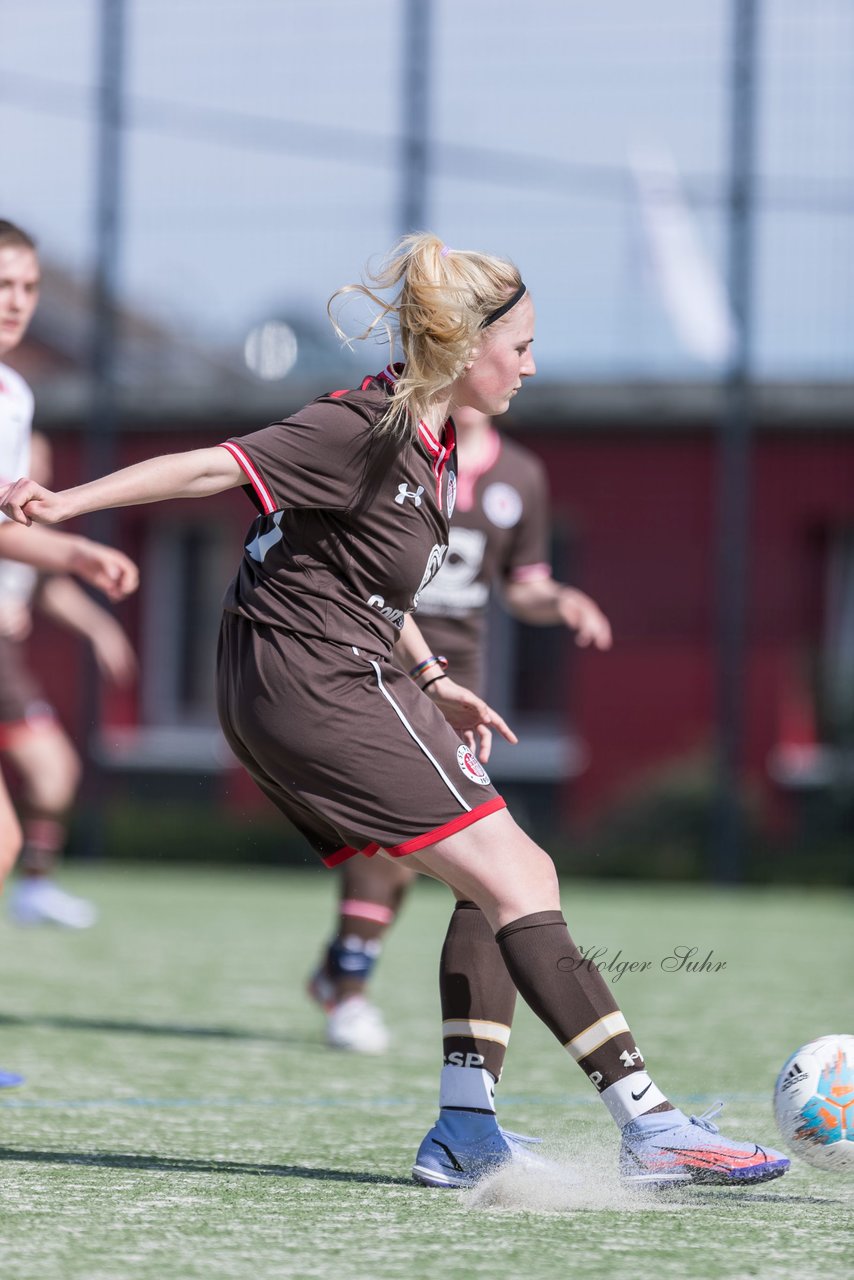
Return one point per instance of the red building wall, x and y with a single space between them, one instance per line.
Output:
643 509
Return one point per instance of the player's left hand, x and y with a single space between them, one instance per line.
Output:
109 570
586 619
473 719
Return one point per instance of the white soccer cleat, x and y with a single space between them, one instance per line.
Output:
38 900
356 1025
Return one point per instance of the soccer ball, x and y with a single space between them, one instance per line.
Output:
814 1102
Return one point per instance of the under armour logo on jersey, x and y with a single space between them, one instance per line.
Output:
403 493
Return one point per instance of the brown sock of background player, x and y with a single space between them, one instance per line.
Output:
44 839
571 997
372 894
352 952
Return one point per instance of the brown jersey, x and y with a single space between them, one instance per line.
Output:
353 523
499 533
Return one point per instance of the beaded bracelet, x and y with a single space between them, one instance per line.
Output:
421 667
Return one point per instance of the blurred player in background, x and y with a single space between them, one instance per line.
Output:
499 536
29 737
354 494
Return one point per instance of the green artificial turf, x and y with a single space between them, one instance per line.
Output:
182 1117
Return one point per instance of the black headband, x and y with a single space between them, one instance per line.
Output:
508 306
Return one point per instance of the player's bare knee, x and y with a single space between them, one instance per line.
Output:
536 864
535 888
51 796
549 882
53 791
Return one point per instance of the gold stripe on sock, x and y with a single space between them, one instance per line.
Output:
476 1029
587 1041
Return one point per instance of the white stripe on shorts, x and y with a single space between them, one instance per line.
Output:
597 1034
398 711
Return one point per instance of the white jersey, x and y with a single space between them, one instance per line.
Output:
16 424
17 581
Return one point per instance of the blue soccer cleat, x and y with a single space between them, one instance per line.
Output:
463 1147
667 1148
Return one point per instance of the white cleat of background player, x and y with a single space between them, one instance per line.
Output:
357 1025
40 901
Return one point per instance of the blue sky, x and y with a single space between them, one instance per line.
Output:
260 160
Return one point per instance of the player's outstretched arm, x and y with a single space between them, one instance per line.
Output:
542 602
196 474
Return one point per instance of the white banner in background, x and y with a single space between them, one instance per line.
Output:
691 289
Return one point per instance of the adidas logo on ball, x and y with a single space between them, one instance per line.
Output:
794 1076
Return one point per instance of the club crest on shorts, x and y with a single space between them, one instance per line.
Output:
471 767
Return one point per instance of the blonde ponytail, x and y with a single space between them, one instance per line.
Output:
441 300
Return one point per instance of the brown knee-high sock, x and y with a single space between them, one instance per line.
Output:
477 993
572 998
478 998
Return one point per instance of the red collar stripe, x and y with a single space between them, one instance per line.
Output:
430 442
445 451
438 451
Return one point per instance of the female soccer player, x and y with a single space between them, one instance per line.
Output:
109 570
31 735
499 537
103 567
354 494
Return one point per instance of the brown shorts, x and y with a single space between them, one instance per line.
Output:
22 704
345 744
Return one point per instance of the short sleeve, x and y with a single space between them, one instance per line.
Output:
316 459
528 554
